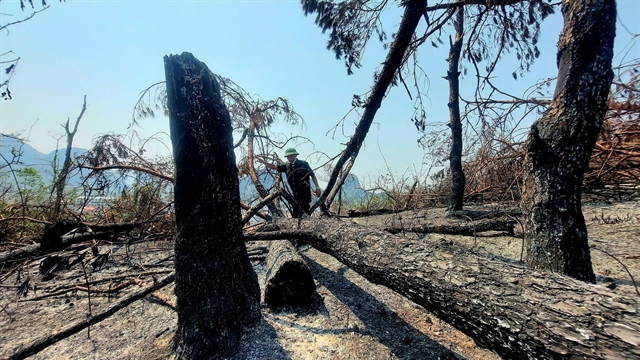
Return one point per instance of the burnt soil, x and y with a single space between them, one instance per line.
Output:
350 318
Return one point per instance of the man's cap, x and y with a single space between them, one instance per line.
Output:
290 151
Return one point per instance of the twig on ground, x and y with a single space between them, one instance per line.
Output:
86 279
111 289
623 265
49 340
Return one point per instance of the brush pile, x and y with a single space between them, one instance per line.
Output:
614 169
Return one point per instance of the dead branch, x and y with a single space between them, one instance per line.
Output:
109 279
98 232
163 299
108 290
25 19
19 253
49 340
279 235
255 116
394 60
60 180
256 208
128 167
260 214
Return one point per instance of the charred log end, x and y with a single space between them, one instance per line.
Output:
52 237
289 281
292 285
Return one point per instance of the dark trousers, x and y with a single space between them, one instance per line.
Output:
303 198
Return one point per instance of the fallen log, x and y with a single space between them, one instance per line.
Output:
58 244
363 213
517 312
470 228
288 280
19 253
62 234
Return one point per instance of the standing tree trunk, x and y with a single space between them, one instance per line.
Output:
61 177
455 156
560 143
217 291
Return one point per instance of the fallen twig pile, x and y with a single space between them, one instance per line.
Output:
614 169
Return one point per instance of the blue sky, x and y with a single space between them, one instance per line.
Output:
112 50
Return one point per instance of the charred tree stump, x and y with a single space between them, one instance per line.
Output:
518 312
216 288
288 281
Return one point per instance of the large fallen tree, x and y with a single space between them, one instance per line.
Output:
518 312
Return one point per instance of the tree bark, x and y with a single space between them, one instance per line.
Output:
455 156
560 143
217 291
410 19
288 281
469 228
517 312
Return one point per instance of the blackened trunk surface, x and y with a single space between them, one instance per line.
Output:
411 17
288 281
216 288
455 156
561 142
518 312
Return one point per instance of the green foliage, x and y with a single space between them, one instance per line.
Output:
32 186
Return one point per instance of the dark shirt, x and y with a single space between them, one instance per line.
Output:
298 174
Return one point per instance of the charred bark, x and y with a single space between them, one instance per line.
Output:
458 179
469 228
217 291
517 312
289 281
410 19
560 143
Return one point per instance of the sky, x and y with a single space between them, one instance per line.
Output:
112 50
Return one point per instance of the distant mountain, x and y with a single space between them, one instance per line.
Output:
25 155
351 190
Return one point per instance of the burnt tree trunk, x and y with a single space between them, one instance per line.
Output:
411 17
560 143
288 281
517 312
216 288
455 156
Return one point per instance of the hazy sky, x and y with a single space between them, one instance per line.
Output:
112 50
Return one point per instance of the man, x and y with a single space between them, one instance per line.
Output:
298 174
